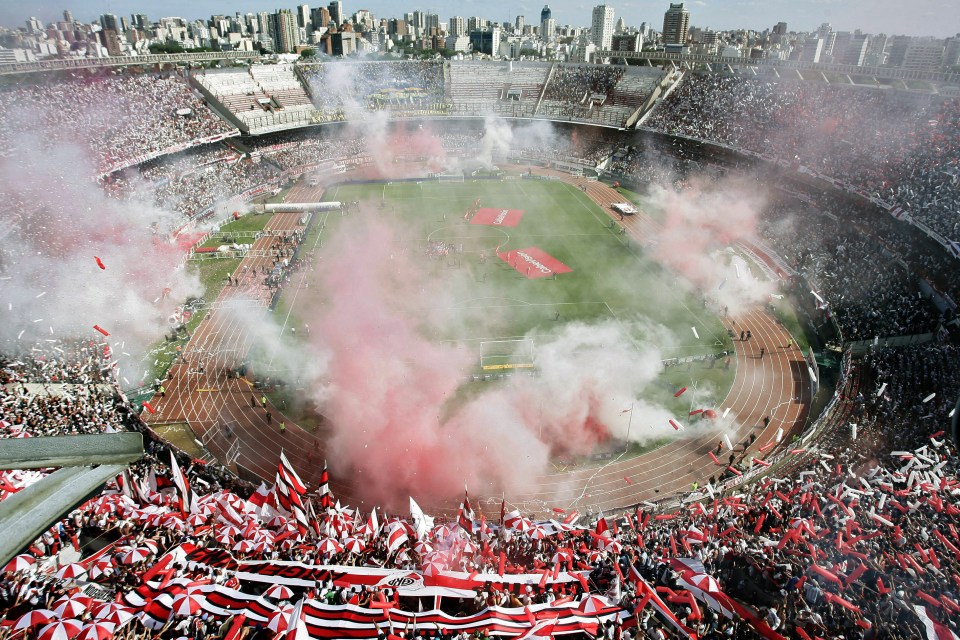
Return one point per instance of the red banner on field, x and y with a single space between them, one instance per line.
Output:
498 217
533 262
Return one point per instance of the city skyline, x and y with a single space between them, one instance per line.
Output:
920 18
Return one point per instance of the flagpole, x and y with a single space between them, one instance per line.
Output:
629 425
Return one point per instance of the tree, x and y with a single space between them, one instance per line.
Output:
308 54
166 47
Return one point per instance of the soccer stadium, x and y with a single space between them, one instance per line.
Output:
460 348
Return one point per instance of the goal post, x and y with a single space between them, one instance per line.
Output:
514 353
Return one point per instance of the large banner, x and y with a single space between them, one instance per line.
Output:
332 621
298 574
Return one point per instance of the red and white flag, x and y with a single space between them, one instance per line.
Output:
542 629
649 595
296 626
465 514
934 630
422 523
326 498
396 536
372 526
182 484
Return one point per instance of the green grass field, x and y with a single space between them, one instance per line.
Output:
611 279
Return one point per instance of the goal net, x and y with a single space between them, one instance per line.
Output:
507 354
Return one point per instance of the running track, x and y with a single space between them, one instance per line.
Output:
776 386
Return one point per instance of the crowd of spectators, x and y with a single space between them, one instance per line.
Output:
574 84
62 391
898 385
375 86
118 117
193 181
830 253
898 145
312 151
849 543
70 362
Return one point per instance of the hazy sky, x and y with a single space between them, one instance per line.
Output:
912 17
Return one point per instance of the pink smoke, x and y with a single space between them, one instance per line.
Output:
701 223
390 382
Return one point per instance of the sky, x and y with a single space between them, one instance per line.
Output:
914 17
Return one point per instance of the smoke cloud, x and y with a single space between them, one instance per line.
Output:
403 425
57 222
701 224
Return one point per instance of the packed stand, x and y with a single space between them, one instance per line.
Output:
830 253
408 85
63 391
191 182
119 118
293 155
851 544
898 145
908 389
574 84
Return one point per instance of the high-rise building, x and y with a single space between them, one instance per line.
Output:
340 44
855 52
602 29
336 12
457 26
320 18
67 16
548 26
676 23
474 23
621 25
626 42
923 54
110 41
548 30
951 52
419 21
303 16
109 21
780 29
519 24
486 40
286 34
431 24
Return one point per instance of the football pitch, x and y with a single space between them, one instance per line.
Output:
563 260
